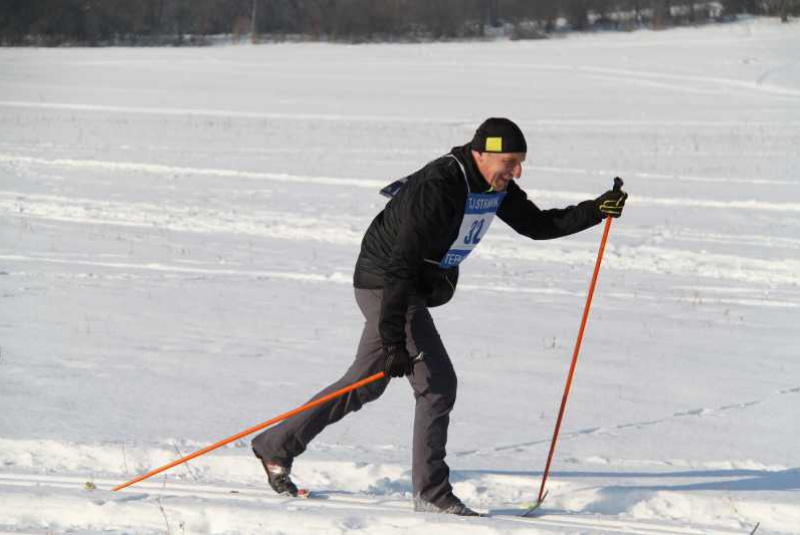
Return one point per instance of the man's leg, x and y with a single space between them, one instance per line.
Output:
434 383
286 441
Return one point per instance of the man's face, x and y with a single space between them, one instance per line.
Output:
499 168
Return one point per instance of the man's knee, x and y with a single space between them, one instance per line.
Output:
443 387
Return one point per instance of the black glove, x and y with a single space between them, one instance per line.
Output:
612 202
398 362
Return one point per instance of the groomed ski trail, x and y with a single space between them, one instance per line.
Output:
199 507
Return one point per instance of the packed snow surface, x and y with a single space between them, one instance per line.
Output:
178 229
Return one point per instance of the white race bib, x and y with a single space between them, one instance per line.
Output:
478 215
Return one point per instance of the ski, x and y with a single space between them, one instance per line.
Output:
301 493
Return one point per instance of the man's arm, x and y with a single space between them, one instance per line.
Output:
527 219
425 214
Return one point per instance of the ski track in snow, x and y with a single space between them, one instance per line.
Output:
383 119
191 504
346 279
346 230
571 435
703 84
554 195
379 119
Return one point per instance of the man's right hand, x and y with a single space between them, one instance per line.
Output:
397 361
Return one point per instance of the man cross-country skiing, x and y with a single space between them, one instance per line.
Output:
409 262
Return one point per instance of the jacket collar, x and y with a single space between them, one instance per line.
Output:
477 184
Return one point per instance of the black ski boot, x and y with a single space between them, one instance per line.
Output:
451 506
278 477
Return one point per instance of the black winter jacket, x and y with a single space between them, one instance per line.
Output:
407 239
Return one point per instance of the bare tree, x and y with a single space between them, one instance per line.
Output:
52 22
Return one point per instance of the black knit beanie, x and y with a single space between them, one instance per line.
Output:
499 135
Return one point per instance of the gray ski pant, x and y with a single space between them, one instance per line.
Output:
434 384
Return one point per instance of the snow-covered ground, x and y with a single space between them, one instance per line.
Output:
178 229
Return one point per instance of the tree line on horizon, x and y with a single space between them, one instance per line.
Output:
169 22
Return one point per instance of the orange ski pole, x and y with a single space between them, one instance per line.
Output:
237 436
617 186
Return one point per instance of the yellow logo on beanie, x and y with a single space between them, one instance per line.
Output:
494 144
